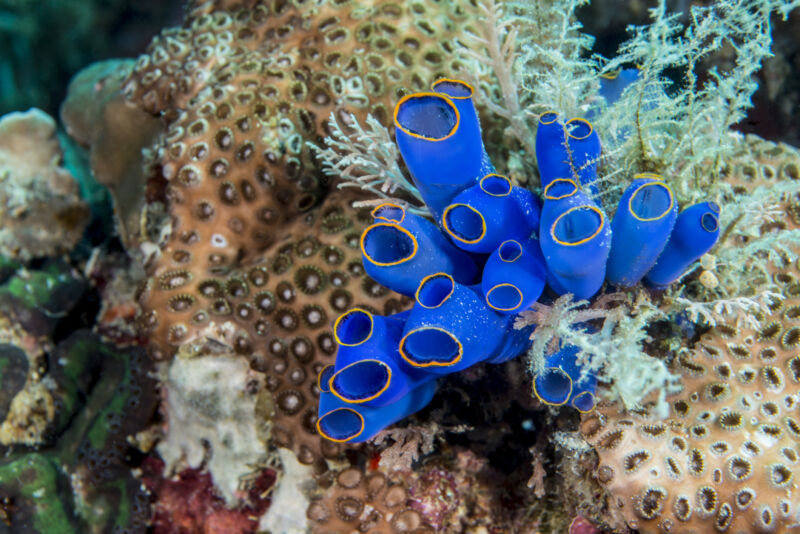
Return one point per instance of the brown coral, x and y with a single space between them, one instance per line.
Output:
727 457
236 250
277 312
243 90
365 502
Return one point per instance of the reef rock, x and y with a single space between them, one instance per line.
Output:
42 211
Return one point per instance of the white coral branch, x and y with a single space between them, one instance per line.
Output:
367 158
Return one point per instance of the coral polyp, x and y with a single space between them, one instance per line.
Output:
490 255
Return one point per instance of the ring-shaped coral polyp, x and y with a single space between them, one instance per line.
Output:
596 228
343 417
646 203
433 336
434 290
495 185
353 327
466 220
372 376
394 238
560 382
553 190
388 211
504 291
426 99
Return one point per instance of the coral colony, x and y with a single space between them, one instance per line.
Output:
495 249
222 291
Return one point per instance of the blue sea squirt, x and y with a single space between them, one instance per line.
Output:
492 252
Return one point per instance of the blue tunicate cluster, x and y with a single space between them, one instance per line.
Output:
561 381
495 248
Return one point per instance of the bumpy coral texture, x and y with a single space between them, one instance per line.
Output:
727 458
367 502
241 256
243 91
277 313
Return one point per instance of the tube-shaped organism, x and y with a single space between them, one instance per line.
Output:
553 386
552 153
612 85
639 232
342 422
584 149
461 93
401 248
696 231
560 195
514 276
530 208
368 368
450 327
443 154
575 245
324 379
561 381
485 215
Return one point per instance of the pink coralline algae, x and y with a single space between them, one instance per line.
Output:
187 503
435 496
581 525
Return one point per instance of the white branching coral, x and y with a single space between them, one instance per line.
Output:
745 309
613 351
683 130
527 58
403 446
552 61
491 54
365 157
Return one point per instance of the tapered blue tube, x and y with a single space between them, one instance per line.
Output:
613 85
696 231
485 215
560 195
368 368
347 423
552 154
584 148
451 328
444 154
561 383
529 206
324 379
575 245
401 249
641 227
514 276
461 93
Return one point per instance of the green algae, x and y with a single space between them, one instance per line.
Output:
33 479
38 289
81 483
